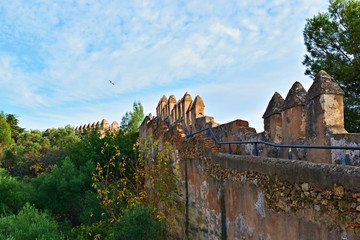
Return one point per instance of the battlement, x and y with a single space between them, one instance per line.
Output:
101 127
242 195
185 110
313 117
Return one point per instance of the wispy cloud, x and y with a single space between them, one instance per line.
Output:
57 55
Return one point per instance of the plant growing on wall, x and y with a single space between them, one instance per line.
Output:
117 182
148 180
161 180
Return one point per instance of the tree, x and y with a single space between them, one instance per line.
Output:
332 40
131 121
5 132
14 193
29 223
24 158
63 190
13 121
61 138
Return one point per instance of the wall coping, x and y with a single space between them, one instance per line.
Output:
294 171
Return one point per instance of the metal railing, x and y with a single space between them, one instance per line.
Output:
346 161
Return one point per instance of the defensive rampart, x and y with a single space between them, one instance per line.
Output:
101 127
242 196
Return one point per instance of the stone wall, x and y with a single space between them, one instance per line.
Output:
313 117
101 127
249 197
242 196
230 196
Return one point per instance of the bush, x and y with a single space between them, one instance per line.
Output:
30 223
14 194
137 223
62 191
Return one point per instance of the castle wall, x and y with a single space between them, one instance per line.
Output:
102 127
247 197
242 196
303 118
229 196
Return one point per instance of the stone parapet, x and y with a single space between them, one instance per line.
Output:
242 196
303 118
101 127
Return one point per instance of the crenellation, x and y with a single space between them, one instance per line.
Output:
294 120
102 127
325 115
240 195
323 84
303 118
295 97
273 120
197 110
160 107
186 102
114 125
170 106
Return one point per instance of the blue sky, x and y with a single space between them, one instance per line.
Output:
57 57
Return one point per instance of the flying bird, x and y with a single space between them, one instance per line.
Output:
111 82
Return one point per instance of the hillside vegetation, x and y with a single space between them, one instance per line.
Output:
58 185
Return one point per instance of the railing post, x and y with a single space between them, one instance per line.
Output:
289 154
256 150
230 151
347 160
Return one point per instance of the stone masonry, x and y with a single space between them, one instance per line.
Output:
242 196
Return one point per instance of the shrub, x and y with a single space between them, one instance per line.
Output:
138 223
62 191
29 223
14 193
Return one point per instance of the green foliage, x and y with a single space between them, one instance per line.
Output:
63 190
138 223
24 158
149 179
161 178
29 223
5 133
131 120
117 182
333 42
13 121
14 193
36 152
87 149
88 182
61 138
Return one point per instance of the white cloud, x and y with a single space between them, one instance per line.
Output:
63 55
231 32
